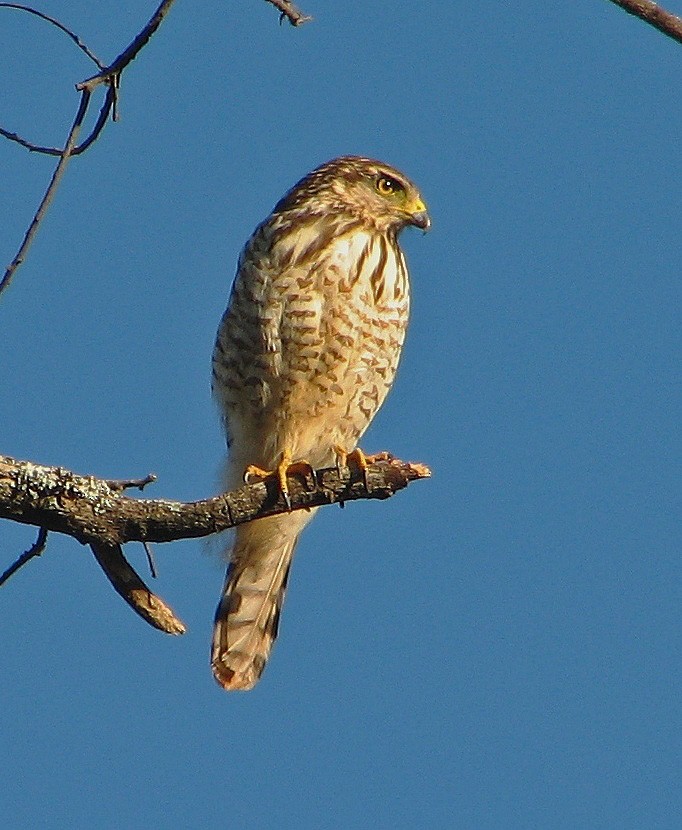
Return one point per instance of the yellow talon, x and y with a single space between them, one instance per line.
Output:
256 472
285 468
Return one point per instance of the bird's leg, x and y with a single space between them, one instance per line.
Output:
285 468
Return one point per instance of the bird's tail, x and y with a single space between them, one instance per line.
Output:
247 616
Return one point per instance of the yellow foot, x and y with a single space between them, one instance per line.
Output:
286 467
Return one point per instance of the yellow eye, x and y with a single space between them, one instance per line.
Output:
387 186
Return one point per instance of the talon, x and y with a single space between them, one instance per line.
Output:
256 472
285 468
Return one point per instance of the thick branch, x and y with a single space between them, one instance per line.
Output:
93 511
653 14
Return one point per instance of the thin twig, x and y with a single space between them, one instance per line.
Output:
57 151
129 54
121 484
108 75
35 550
654 15
49 193
33 148
74 37
106 108
289 12
150 559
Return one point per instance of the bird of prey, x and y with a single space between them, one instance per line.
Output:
306 352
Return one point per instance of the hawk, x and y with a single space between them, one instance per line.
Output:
306 352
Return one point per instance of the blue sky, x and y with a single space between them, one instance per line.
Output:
497 647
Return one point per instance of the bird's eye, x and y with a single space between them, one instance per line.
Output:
387 186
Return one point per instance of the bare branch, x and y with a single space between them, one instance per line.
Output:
120 484
95 512
49 193
656 16
35 550
111 76
92 511
108 75
111 72
105 110
289 12
74 37
128 584
106 106
32 148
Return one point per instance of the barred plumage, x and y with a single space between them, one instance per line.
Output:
305 355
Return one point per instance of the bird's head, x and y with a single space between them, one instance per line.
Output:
362 188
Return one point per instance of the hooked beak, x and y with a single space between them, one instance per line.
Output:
419 215
421 219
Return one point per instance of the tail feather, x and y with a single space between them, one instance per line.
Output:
247 617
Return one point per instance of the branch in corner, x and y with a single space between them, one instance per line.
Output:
654 15
108 75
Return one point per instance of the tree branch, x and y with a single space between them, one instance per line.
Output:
109 73
653 14
289 12
49 193
52 20
96 512
111 76
128 584
35 550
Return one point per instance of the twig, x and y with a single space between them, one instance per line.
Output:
656 16
49 193
120 484
106 108
150 559
74 37
289 12
108 75
131 51
35 550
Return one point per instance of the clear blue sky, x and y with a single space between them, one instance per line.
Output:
499 647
